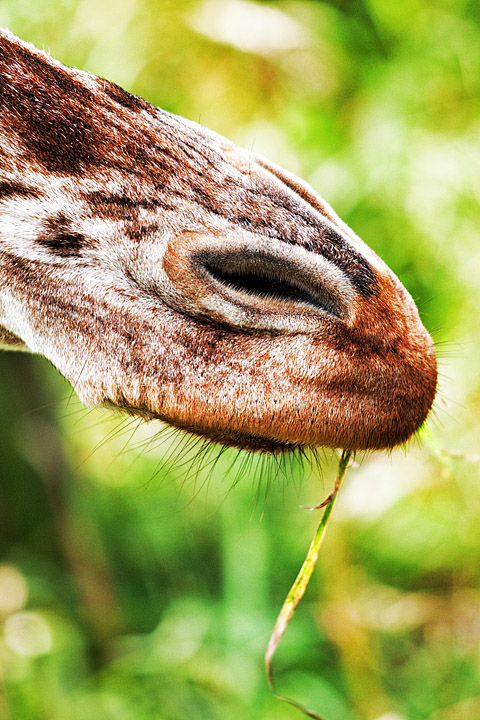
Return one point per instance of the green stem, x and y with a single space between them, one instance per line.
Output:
300 585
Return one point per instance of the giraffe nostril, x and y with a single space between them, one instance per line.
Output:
258 276
255 283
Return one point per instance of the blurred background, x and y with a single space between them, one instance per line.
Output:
135 586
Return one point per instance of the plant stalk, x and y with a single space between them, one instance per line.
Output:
300 585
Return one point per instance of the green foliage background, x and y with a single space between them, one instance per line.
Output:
131 589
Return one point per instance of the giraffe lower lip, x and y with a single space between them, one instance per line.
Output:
243 441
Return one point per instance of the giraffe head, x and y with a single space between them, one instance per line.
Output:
171 274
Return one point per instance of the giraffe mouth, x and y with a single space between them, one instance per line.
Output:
247 441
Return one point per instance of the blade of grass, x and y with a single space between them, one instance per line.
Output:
300 585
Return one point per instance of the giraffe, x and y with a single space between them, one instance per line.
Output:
170 274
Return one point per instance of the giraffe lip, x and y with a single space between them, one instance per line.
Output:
241 440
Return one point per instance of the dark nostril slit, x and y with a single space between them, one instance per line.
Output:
263 286
264 282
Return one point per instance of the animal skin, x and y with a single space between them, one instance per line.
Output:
169 273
